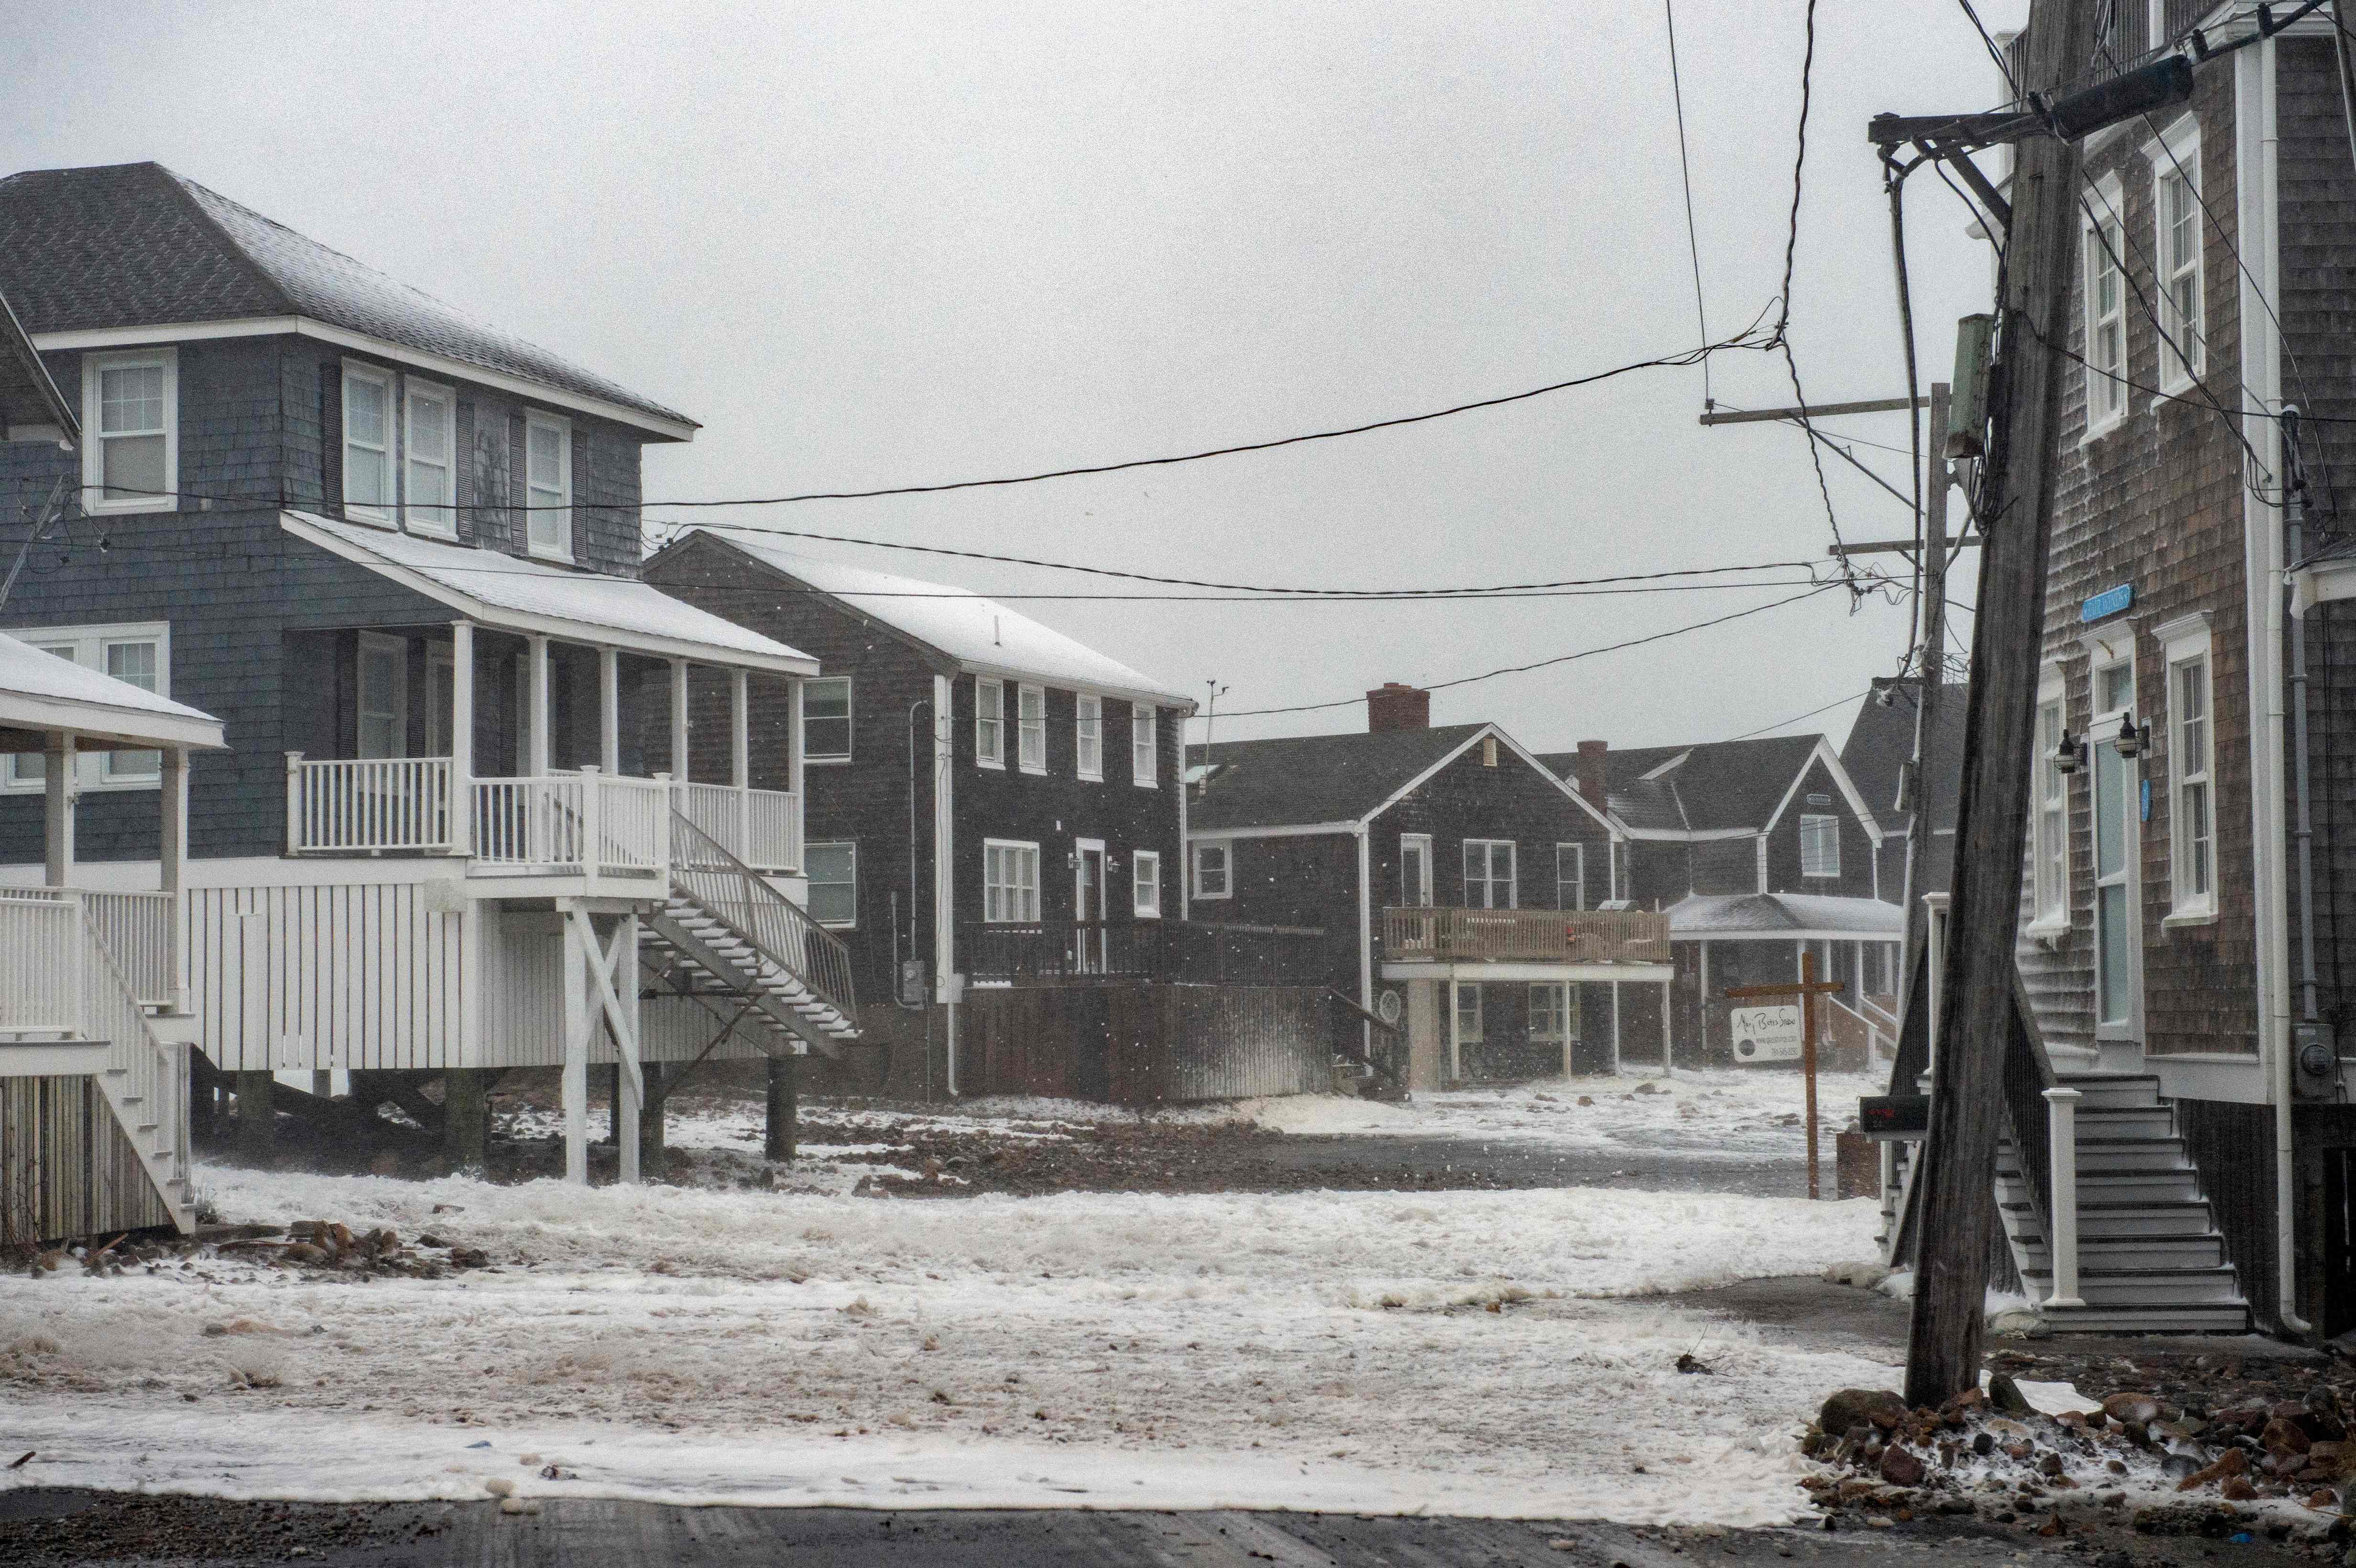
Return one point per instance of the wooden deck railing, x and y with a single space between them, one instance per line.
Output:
1573 936
1208 953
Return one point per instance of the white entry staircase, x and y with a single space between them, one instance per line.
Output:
2150 1258
725 929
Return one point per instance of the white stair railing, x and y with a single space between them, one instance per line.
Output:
2062 1133
41 953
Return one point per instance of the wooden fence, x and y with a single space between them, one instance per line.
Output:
1143 1044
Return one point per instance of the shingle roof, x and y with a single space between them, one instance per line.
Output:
523 596
1881 743
138 245
1716 785
1775 914
1313 778
978 633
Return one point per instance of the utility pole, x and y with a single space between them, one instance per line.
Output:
1958 1173
1930 694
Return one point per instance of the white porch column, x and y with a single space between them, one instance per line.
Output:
794 737
679 773
2062 1125
172 864
459 832
1615 1029
536 708
579 1018
59 788
609 710
740 729
1455 1022
629 1085
1668 1057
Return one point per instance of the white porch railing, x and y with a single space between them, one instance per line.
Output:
415 805
136 931
582 820
42 951
762 827
368 806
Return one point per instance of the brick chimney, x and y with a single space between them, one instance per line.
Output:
1391 706
1587 772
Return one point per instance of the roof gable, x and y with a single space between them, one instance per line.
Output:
137 245
1305 780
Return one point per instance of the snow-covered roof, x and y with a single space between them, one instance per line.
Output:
1784 916
513 593
982 634
40 692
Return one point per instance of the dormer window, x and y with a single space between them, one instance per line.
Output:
548 486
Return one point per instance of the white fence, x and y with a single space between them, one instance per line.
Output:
136 931
414 806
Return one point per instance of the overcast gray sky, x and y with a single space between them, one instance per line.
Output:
869 244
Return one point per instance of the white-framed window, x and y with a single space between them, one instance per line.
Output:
1145 883
2049 852
2177 217
1415 871
2103 242
380 697
429 485
548 486
1031 727
1624 879
441 678
1010 881
1489 873
1759 861
2116 791
833 870
826 719
2191 754
136 652
1570 876
1145 745
1554 1012
131 431
1467 1014
1213 870
1819 845
988 723
371 491
1087 735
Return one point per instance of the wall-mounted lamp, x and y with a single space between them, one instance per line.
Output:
2133 740
2070 755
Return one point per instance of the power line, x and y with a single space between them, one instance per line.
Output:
1684 166
1557 660
1795 718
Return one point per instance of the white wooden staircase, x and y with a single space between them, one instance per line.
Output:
725 929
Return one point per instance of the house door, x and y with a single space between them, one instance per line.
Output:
2118 836
1088 905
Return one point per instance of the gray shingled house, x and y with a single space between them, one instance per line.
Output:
1462 887
397 551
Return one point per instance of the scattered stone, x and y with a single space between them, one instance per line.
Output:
1854 1407
2006 1395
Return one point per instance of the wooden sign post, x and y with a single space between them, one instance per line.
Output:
1807 989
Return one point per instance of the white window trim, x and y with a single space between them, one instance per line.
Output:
1225 852
1758 859
1140 859
1832 823
90 645
989 710
1145 758
562 549
2179 145
1037 872
850 724
438 656
399 648
1621 864
1578 874
2102 726
2050 904
2182 641
851 845
1416 896
1024 729
1488 862
93 475
2105 410
1560 1000
446 526
1476 1035
1088 708
388 384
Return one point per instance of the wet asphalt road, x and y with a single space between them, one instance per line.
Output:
1513 1162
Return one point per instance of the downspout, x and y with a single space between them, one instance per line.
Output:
2261 192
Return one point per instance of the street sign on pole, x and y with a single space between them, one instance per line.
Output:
1807 989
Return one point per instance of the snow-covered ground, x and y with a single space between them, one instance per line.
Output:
1464 1352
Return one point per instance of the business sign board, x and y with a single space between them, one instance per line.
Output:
1765 1034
